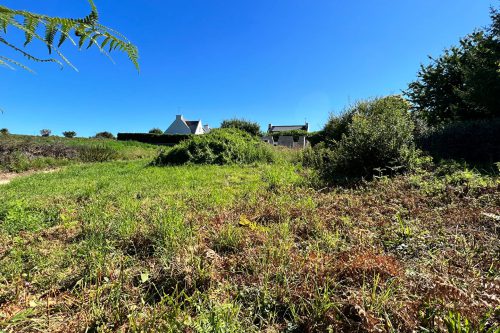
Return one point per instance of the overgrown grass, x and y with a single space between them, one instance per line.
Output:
20 153
122 246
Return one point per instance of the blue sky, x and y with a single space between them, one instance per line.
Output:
280 61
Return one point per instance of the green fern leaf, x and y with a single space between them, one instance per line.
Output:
50 33
30 23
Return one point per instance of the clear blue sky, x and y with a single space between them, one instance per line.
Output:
277 61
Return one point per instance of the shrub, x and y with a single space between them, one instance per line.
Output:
69 134
45 132
104 135
164 139
337 126
220 146
475 141
375 134
242 124
4 131
15 162
96 153
155 131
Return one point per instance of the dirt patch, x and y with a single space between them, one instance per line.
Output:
7 177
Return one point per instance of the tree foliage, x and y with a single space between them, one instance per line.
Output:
69 134
45 132
56 31
245 125
464 82
156 131
104 135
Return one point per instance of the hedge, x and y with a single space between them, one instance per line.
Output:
474 141
155 139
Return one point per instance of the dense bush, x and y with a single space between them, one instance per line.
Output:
45 132
69 134
104 135
374 135
242 124
4 131
164 139
96 153
220 146
472 141
155 131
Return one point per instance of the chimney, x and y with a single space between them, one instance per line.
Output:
179 117
270 128
307 127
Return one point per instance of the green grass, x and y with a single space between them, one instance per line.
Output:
20 153
123 246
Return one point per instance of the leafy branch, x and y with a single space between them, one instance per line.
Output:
56 31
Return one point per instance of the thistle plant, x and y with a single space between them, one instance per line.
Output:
55 31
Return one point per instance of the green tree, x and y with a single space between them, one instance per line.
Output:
104 135
4 131
69 134
464 82
242 124
155 131
45 133
55 31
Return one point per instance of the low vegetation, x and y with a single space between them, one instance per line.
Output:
220 146
242 249
21 153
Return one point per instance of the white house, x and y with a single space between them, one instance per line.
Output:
183 126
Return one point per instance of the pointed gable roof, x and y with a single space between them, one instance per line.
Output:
193 125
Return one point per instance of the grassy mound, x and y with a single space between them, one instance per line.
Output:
221 146
22 152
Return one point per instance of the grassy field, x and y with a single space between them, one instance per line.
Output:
20 153
123 246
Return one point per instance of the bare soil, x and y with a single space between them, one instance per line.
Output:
7 177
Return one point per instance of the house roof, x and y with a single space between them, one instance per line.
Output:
192 124
288 128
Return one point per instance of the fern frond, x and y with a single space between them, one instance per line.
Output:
31 24
87 29
4 60
28 55
50 33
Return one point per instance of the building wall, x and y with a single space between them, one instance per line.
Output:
178 127
199 129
